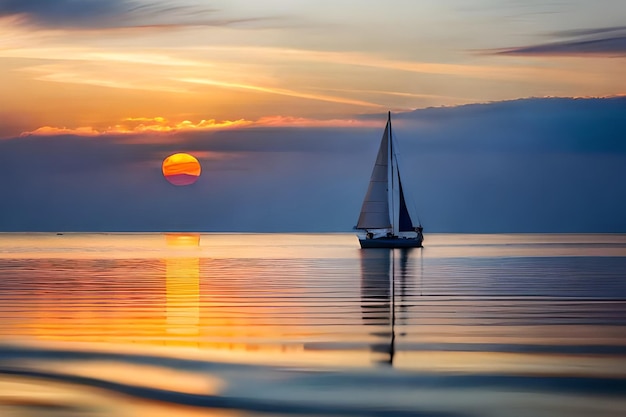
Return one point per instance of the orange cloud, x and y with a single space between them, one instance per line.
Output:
305 122
139 125
162 125
55 131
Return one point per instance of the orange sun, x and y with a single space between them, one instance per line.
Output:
181 169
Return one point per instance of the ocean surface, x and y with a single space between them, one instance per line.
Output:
189 325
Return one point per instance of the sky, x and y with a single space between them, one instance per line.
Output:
511 112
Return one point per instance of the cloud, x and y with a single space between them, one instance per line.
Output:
289 121
607 42
533 165
139 125
160 125
108 14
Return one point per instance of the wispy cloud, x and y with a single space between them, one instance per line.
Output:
183 61
606 42
439 97
279 91
99 55
115 78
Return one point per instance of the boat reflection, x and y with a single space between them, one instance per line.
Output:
381 275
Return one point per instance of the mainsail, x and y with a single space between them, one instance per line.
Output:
375 209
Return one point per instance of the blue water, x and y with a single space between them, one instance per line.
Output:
309 324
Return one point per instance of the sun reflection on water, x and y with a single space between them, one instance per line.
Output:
182 283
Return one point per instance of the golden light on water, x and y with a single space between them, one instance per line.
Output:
182 282
181 169
214 316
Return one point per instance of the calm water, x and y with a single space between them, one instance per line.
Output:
255 325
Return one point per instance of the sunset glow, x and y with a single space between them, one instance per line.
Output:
236 63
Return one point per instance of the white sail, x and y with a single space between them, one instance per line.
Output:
375 209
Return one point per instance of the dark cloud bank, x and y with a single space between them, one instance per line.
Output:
534 165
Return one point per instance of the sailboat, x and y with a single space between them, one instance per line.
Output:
385 221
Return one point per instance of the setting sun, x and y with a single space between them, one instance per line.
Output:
181 169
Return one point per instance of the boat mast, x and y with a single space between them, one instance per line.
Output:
394 195
390 173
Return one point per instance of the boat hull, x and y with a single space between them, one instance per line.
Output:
391 242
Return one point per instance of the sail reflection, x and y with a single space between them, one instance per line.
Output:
376 301
381 275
